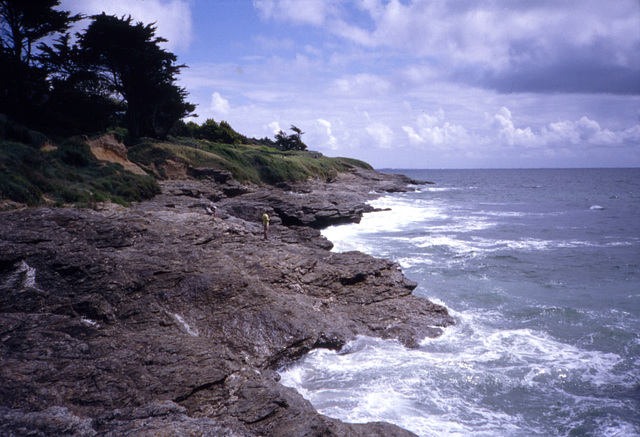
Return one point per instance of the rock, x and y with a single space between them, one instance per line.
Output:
109 148
161 320
319 204
56 421
220 176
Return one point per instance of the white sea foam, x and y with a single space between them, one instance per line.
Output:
438 189
511 365
396 214
419 389
476 246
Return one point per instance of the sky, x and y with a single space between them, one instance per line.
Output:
413 83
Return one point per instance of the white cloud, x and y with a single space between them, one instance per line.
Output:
331 142
501 44
362 84
274 127
219 105
432 130
586 132
172 17
583 134
508 133
503 136
382 135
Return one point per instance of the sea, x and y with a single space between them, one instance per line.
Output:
540 268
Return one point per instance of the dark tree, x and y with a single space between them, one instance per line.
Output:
127 58
79 101
25 22
23 82
291 142
219 133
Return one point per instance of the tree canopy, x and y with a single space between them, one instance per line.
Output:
127 58
112 74
117 69
292 141
23 23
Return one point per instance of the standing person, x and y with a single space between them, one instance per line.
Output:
265 224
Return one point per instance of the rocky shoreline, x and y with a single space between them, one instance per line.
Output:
159 319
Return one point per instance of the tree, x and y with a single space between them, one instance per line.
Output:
291 142
128 59
79 101
220 133
25 22
23 82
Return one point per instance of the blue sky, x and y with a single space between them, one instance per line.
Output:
414 83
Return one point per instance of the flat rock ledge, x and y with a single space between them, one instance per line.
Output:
159 319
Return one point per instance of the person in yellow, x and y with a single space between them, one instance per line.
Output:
265 224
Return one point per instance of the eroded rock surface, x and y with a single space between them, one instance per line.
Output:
161 320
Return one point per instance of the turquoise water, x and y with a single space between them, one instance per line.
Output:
541 271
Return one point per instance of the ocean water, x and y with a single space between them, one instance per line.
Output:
541 271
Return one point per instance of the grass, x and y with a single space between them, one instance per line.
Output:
70 174
256 164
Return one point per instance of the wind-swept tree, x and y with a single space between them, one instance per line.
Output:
25 22
292 141
79 101
23 25
127 58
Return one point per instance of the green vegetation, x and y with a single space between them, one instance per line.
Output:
114 78
247 163
114 74
67 172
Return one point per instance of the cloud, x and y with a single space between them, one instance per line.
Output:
362 84
331 142
508 133
432 130
381 134
274 127
574 46
503 136
586 132
582 134
172 17
219 105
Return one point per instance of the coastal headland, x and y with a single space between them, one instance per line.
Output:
160 319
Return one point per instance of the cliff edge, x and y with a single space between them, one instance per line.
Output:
159 319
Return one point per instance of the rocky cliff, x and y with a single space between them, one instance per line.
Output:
159 319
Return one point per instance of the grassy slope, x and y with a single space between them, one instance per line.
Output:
247 163
71 174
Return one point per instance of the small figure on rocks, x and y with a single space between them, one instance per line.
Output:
265 224
211 210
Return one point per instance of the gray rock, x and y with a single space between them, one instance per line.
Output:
161 320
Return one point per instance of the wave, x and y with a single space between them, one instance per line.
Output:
546 336
478 245
501 372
